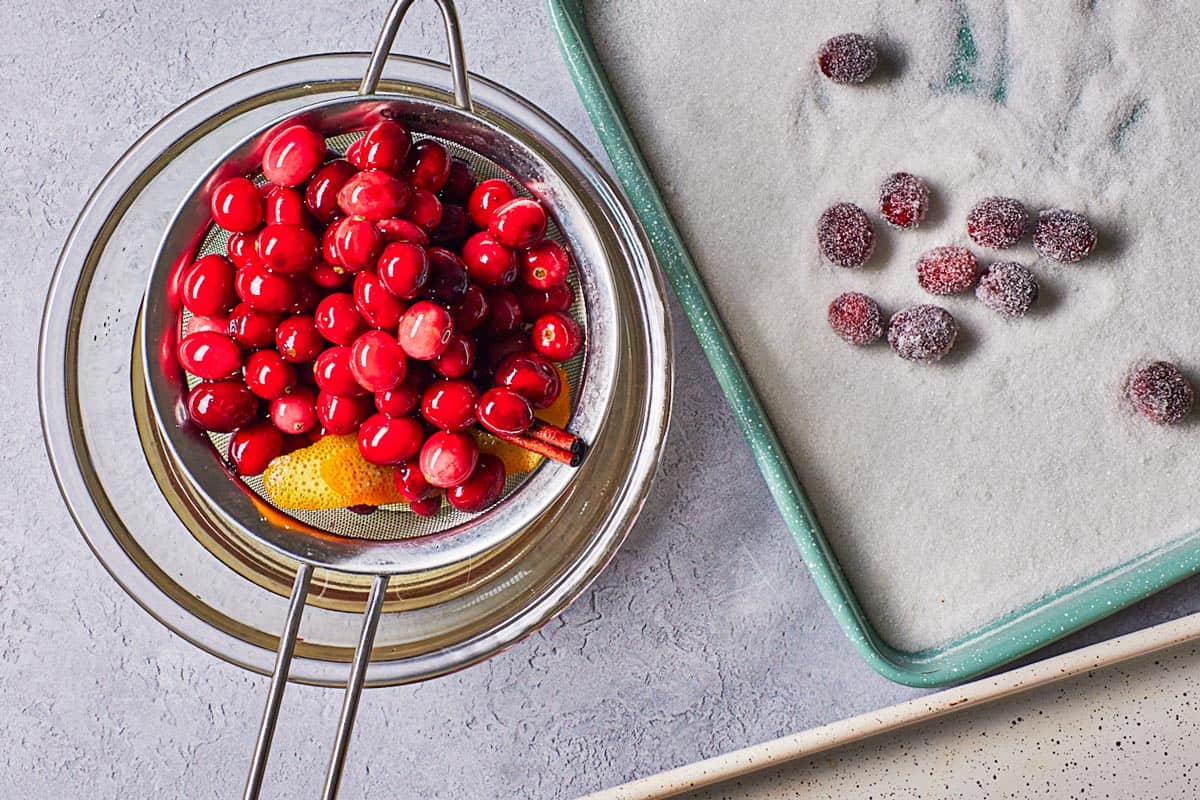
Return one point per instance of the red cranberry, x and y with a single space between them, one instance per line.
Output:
252 448
457 359
268 375
411 484
333 374
1063 236
293 155
482 489
286 249
378 306
845 235
428 507
240 248
856 318
530 375
428 165
486 198
236 205
848 58
208 286
471 311
489 262
329 248
997 222
425 330
285 206
450 405
327 276
947 270
221 406
545 265
208 355
262 290
377 361
459 184
535 302
518 223
557 336
374 195
390 440
340 414
298 340
251 327
1161 392
404 269
395 229
293 442
425 209
1008 288
504 313
502 411
447 276
337 318
448 458
904 200
453 227
356 243
500 349
406 397
295 412
922 333
307 295
320 196
385 146
354 154
202 323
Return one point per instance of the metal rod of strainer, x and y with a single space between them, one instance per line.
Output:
366 640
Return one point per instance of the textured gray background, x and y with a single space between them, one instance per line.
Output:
705 634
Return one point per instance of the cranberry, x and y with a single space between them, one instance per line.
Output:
340 414
856 318
457 359
411 484
293 155
1063 236
385 146
395 229
240 248
845 235
904 200
450 404
947 270
425 330
448 458
489 262
499 349
557 336
295 412
262 290
504 313
1008 288
329 248
202 323
236 205
453 227
427 507
374 195
268 375
1161 392
333 374
518 223
306 293
337 318
378 306
251 327
286 249
486 198
428 165
390 440
502 411
320 196
482 489
545 265
922 333
208 286
404 269
404 398
221 406
471 311
997 222
377 361
535 302
293 442
356 243
459 183
285 206
298 340
252 448
327 276
209 355
447 276
848 58
530 375
425 209
354 154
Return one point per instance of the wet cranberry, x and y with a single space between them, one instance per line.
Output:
268 375
411 484
320 196
374 195
488 262
378 306
922 333
425 209
447 276
486 198
535 302
221 406
904 200
504 313
404 269
848 58
482 489
453 228
457 359
327 276
236 205
329 248
395 229
337 318
428 165
262 290
448 458
518 223
333 374
199 323
356 243
845 235
856 318
390 440
292 442
947 270
530 375
503 411
285 206
545 265
425 330
406 397
252 448
1063 236
377 361
307 295
354 154
251 327
286 249
499 349
240 248
997 222
427 507
208 286
293 155
298 340
340 414
459 183
295 412
450 405
1161 392
557 336
209 355
471 311
385 146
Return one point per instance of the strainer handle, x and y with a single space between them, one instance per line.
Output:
458 65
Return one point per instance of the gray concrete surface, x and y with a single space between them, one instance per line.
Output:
704 635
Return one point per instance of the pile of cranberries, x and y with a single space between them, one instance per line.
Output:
385 293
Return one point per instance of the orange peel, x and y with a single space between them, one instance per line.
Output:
328 474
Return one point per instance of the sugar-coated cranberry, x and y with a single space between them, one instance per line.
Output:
471 311
240 248
947 270
395 229
356 243
208 286
209 355
450 404
252 448
447 276
1161 392
307 295
251 327
452 229
503 411
499 349
482 489
922 333
486 198
411 484
504 313
488 262
425 209
295 412
263 290
333 374
518 223
199 322
337 318
327 276
340 414
221 406
268 375
390 440
425 330
286 249
535 302
459 183
298 340
377 361
427 507
374 195
457 359
404 269
379 307
545 265
448 458
236 205
385 146
845 235
997 222
1063 236
848 58
557 336
856 318
293 155
904 200
530 375
428 165
320 195
1008 288
285 206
